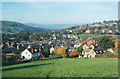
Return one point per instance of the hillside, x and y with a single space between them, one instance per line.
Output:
15 27
54 26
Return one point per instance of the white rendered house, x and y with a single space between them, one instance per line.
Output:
27 54
31 52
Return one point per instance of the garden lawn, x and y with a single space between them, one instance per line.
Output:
69 67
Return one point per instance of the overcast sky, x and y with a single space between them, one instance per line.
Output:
59 12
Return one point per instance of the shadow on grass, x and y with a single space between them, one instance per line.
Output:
27 66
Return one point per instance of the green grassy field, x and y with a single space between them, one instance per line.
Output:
95 35
90 35
71 67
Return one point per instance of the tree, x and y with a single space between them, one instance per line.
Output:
80 49
105 42
61 51
23 36
47 51
117 46
74 53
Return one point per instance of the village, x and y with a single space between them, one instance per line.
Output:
66 43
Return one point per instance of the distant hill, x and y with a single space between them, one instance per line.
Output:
15 27
54 26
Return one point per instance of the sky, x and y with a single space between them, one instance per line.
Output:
60 0
59 12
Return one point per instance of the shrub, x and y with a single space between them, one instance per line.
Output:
106 54
73 54
11 60
56 56
4 60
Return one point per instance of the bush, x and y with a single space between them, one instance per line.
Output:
4 60
73 54
106 54
11 60
56 56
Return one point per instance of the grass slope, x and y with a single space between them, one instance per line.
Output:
96 35
64 68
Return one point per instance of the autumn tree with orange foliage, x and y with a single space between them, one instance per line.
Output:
73 53
61 51
117 46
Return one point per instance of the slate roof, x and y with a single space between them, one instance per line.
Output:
9 50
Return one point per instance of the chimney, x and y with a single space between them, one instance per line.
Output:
31 50
39 49
18 46
30 46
